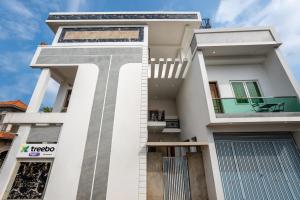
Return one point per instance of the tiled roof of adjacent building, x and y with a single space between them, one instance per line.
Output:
7 135
18 104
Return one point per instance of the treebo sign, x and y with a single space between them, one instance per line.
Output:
37 151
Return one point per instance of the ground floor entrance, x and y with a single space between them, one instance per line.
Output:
176 178
265 167
175 173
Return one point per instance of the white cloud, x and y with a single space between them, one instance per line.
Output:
18 21
46 5
21 19
18 8
229 10
76 5
13 61
20 29
283 15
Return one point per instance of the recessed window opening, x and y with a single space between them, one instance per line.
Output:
59 89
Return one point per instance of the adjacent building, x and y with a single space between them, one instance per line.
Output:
8 132
151 106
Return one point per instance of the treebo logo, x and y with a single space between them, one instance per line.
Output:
42 149
25 148
31 148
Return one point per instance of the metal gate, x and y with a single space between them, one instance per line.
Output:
260 167
176 178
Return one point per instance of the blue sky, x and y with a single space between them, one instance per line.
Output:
22 28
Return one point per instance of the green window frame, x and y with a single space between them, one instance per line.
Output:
247 91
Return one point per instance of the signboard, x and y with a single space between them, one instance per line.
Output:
37 151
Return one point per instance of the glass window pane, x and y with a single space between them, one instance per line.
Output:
254 91
239 92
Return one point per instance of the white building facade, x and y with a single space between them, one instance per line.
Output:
150 106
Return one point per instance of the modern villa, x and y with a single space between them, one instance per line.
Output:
153 106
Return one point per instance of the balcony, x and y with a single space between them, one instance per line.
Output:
158 121
259 106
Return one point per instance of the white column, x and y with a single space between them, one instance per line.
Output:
205 79
73 134
7 169
212 172
39 91
61 95
124 129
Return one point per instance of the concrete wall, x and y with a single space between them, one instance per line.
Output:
123 169
197 176
234 36
212 173
277 76
166 104
73 136
192 104
155 185
85 144
267 79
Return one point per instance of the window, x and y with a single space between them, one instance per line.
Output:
30 180
243 90
2 157
156 115
67 100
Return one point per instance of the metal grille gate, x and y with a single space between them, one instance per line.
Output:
176 178
259 167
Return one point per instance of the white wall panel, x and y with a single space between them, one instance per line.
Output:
124 170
